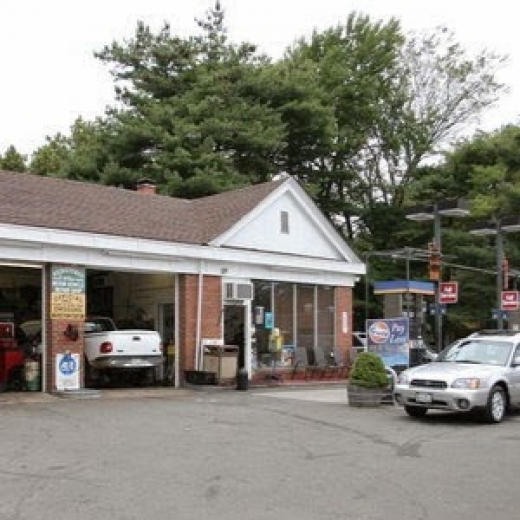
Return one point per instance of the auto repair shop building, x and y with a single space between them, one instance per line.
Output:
261 261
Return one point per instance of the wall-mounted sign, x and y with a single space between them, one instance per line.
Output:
68 292
68 279
268 320
259 315
344 322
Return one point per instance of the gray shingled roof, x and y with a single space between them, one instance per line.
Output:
33 200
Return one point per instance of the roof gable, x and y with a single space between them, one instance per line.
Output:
309 232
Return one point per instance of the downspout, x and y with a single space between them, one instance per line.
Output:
198 351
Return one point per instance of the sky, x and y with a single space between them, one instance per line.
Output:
49 76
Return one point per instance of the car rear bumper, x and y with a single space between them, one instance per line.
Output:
127 362
457 400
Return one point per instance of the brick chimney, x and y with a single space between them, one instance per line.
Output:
146 186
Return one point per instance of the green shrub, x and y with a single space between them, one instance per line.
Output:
369 371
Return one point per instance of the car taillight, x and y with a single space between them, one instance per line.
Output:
105 347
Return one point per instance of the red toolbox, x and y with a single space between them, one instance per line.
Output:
11 356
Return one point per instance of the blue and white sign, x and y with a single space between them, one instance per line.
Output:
67 371
389 339
269 320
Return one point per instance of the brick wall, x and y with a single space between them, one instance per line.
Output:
56 340
344 304
211 326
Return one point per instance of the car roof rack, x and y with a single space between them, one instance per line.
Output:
495 332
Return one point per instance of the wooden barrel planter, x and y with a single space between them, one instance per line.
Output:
361 396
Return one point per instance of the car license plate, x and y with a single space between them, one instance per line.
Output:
421 397
136 362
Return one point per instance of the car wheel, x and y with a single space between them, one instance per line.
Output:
496 405
415 411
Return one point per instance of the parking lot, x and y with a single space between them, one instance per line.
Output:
260 454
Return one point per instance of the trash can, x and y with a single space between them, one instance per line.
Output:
222 360
242 379
32 374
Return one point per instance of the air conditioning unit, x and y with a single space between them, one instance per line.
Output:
238 291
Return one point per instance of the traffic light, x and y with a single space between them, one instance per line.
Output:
434 262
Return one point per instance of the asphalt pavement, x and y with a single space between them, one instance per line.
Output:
259 454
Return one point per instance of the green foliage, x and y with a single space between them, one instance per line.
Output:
13 161
192 108
369 371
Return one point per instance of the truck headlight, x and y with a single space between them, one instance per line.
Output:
471 383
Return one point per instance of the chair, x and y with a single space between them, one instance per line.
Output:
321 363
340 362
301 361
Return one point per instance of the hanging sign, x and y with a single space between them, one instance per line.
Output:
510 300
448 292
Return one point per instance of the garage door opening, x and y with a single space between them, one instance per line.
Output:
21 343
141 307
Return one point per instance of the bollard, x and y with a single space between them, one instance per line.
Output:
242 379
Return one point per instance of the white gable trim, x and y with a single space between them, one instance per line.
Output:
41 245
308 205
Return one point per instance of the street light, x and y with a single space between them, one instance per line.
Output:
458 208
498 228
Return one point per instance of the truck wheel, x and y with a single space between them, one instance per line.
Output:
415 411
496 405
91 375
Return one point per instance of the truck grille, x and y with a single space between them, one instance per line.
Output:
428 383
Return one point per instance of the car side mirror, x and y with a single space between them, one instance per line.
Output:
516 362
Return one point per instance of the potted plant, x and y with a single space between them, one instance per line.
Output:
368 383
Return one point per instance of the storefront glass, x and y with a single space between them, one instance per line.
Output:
286 316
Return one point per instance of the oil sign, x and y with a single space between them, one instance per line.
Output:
448 292
510 300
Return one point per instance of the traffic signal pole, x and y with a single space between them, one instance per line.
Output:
438 246
500 272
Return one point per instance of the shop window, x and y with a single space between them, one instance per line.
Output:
262 320
325 319
305 317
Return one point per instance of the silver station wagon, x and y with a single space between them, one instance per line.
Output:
479 373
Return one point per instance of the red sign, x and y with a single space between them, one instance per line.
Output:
448 292
510 300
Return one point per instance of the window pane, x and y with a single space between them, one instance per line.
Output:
305 317
326 319
261 305
283 310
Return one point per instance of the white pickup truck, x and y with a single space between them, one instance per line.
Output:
108 350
